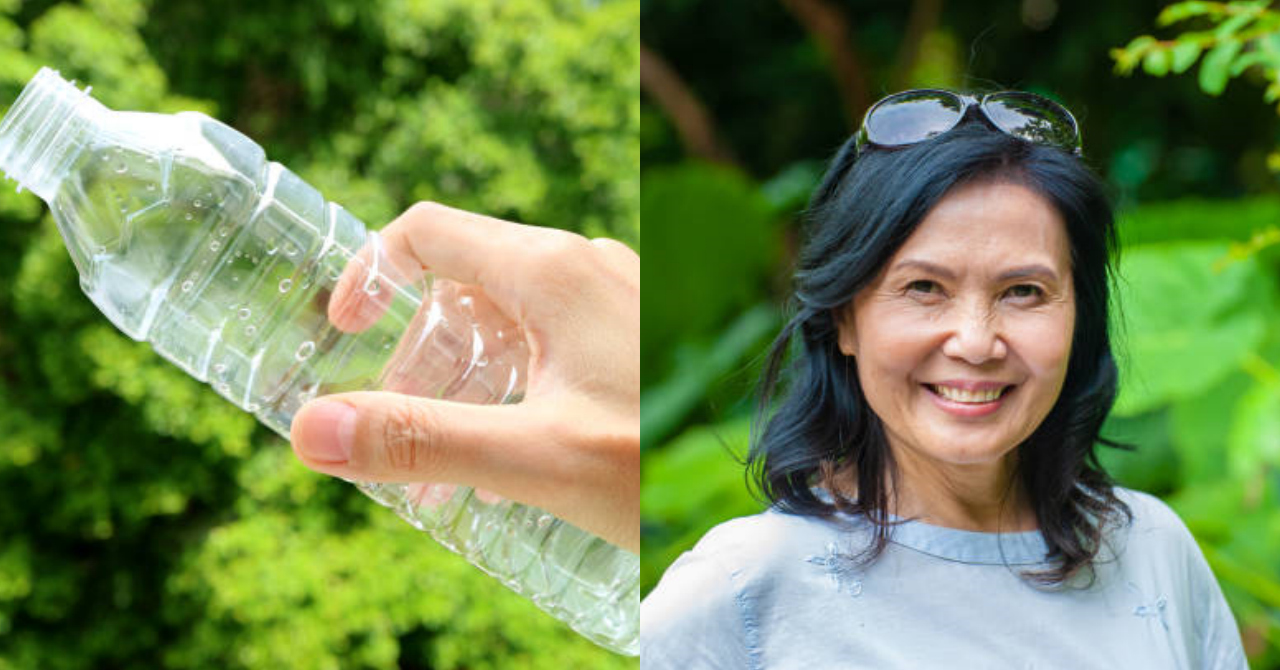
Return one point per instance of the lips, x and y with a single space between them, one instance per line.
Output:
969 395
971 402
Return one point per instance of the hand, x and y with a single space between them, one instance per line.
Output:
572 445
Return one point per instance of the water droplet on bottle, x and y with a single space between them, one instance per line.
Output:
253 407
250 330
373 286
122 168
187 216
124 210
197 203
271 250
220 368
290 250
285 285
186 286
305 350
334 274
151 187
223 231
545 520
243 313
105 158
215 245
306 283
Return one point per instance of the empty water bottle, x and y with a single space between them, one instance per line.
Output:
184 235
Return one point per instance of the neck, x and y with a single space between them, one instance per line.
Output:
984 497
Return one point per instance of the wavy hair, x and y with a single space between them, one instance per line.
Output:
863 210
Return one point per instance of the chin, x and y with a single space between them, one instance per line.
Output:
983 453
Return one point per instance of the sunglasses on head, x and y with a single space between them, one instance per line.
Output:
912 117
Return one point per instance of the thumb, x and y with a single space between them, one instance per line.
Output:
389 437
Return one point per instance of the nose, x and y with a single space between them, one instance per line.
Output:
975 337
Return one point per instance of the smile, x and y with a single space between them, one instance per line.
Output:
968 397
966 404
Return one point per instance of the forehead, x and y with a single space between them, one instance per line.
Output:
988 224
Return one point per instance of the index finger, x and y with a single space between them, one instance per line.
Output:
460 245
426 238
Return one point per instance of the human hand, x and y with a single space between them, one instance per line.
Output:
571 446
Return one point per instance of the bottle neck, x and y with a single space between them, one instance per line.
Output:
43 132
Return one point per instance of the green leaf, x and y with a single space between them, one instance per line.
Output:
667 403
1216 67
1184 56
1249 59
1156 63
1200 429
1233 25
1255 432
1128 57
692 291
1184 10
1185 326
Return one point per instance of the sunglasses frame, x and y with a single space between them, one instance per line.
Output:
966 102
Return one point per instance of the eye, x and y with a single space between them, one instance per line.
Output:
923 286
1025 291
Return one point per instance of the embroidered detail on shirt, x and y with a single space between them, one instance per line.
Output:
841 568
1150 609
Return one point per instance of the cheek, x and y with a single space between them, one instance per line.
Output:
890 356
1045 347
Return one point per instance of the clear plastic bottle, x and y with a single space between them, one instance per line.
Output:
186 236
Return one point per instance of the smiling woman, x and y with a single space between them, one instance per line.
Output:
937 498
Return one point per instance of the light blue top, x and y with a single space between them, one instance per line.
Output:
779 591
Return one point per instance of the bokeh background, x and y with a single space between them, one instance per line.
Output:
744 101
144 521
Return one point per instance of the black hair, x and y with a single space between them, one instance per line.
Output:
864 209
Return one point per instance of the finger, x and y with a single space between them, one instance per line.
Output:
388 437
455 243
512 450
371 281
621 256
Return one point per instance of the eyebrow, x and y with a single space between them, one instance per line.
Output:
1020 272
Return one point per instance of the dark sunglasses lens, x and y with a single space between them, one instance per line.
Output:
1033 118
913 117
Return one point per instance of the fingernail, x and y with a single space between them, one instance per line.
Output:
329 432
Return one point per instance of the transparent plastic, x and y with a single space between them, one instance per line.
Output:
184 235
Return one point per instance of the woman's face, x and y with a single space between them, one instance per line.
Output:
962 340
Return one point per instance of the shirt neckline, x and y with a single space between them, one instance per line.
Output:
961 546
967 546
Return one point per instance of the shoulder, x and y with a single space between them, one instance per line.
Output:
1157 548
1149 512
704 609
1161 560
1154 524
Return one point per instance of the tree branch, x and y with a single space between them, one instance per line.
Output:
827 24
922 21
674 97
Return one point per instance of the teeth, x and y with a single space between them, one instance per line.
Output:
961 395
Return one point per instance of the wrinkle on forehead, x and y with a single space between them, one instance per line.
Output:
994 227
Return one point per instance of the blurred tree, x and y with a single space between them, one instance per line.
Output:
144 522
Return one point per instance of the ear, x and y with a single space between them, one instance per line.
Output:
848 336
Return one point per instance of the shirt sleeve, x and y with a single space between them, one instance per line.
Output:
1220 644
693 619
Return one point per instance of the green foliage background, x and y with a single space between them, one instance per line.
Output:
145 522
1198 318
